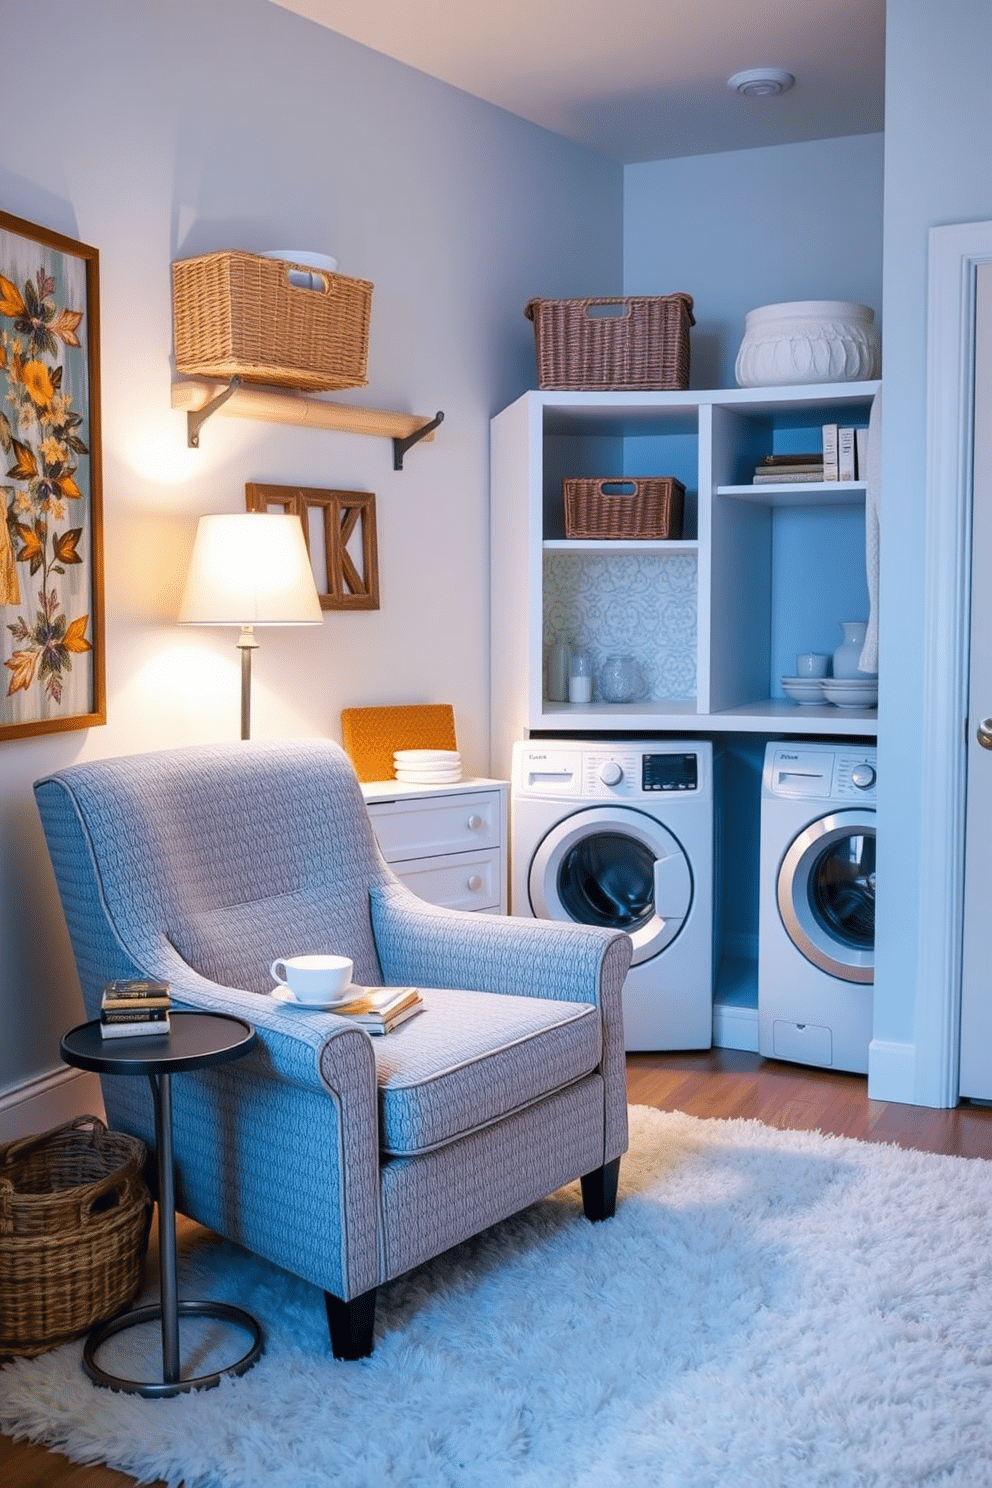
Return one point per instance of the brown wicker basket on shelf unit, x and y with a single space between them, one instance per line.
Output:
237 314
624 507
591 344
74 1214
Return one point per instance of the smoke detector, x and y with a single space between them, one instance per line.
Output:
761 82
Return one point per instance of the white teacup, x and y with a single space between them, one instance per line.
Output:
812 664
314 979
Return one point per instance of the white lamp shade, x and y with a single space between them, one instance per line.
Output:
250 568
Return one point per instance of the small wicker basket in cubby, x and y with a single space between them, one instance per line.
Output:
239 314
74 1214
637 343
646 507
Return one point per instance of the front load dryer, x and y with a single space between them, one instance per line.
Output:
621 835
816 922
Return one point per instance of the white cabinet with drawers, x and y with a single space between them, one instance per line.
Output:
446 842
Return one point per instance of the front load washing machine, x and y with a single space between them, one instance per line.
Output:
621 834
816 920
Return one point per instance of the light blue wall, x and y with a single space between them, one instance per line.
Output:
178 127
937 104
754 227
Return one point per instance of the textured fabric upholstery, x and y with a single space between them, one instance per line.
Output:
345 1159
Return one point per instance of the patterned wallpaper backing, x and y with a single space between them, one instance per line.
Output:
624 604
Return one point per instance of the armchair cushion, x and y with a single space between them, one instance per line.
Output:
473 1058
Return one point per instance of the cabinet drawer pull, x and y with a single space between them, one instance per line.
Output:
475 822
475 882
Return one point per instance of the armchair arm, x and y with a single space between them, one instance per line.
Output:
328 1118
418 943
421 943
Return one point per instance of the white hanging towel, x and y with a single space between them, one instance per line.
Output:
873 493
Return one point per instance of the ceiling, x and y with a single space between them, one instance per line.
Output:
640 79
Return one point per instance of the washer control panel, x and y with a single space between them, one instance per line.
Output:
612 770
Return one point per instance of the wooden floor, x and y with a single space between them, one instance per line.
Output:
715 1082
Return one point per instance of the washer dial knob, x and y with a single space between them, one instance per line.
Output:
611 773
863 776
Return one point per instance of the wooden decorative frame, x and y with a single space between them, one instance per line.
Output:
51 557
330 518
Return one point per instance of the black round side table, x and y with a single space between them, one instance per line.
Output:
194 1041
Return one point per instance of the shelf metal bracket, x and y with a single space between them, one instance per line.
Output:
400 446
197 417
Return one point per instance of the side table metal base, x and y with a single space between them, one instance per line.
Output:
160 1389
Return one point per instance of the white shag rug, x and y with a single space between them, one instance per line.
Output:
768 1309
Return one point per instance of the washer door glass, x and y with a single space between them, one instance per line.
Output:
607 879
618 868
826 894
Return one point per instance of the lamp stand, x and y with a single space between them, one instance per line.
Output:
246 645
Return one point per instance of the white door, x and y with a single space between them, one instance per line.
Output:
976 987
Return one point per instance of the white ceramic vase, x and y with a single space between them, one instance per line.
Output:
848 653
808 341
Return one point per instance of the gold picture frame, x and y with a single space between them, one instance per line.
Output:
330 521
51 555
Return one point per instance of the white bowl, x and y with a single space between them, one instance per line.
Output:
803 690
807 341
301 256
851 695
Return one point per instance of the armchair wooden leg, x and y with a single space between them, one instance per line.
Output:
599 1191
351 1325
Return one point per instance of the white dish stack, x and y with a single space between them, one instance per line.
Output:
428 766
843 692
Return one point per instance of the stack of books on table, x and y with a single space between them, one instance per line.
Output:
134 1009
381 1009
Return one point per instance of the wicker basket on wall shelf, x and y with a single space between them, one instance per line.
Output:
239 314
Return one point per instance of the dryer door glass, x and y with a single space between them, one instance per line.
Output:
826 894
842 890
608 879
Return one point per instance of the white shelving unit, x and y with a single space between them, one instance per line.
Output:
710 617
716 618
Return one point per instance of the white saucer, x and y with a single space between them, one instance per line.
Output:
288 999
426 757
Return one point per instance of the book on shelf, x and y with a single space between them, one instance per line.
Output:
846 455
381 1009
861 453
829 435
785 475
795 458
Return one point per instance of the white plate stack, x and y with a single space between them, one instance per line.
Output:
428 766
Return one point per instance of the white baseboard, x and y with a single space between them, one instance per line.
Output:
892 1072
49 1100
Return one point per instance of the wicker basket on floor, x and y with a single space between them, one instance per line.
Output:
74 1214
617 345
646 507
238 314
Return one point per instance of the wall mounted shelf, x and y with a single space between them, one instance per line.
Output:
201 398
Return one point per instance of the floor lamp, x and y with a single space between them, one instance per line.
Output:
248 569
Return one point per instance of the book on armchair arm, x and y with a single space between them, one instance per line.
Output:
381 1009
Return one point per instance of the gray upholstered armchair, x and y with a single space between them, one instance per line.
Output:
345 1159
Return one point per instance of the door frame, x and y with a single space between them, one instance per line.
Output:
955 253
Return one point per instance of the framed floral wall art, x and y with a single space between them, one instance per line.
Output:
51 568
